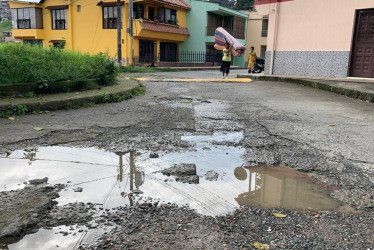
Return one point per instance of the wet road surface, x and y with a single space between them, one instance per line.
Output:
228 129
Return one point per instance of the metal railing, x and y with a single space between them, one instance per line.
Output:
181 57
192 56
264 33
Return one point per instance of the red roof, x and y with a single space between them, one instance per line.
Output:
164 28
178 3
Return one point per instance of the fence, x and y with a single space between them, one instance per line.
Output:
172 56
193 56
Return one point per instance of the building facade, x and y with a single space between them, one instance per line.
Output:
159 26
319 38
202 21
257 32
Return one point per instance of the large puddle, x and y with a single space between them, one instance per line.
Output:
107 178
124 178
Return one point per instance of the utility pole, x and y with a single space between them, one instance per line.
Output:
119 27
130 29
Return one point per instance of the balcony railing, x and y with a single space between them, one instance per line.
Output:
235 33
264 33
23 24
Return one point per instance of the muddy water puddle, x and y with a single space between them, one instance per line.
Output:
113 179
108 178
61 237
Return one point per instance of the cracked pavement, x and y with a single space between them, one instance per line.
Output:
321 133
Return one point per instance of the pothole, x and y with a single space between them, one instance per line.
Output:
221 182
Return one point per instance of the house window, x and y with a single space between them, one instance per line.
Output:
166 15
27 18
151 13
79 8
60 44
59 20
23 20
36 42
263 51
110 17
265 24
138 11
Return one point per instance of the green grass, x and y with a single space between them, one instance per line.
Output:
34 64
132 69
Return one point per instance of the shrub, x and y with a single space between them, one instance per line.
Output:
26 63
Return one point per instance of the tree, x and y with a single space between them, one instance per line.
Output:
224 3
244 4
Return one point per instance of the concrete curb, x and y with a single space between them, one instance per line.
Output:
318 84
73 99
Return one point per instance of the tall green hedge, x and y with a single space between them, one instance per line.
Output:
25 63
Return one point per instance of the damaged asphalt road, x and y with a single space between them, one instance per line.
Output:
328 136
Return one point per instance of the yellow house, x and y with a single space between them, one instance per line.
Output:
91 26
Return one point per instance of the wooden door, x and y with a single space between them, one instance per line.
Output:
362 59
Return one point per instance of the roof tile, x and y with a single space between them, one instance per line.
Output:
178 3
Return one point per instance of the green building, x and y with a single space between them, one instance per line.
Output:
203 19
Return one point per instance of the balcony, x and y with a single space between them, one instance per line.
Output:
157 30
28 33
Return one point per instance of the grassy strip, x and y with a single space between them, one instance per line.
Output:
34 64
86 102
132 69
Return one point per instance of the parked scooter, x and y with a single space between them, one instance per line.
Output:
259 65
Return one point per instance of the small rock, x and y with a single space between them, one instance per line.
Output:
153 155
38 181
211 175
78 189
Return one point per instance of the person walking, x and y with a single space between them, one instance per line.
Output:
226 61
252 60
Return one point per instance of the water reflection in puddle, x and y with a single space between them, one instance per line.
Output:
117 179
282 187
61 237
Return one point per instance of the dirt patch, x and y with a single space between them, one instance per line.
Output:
170 227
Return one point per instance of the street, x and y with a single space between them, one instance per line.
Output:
227 128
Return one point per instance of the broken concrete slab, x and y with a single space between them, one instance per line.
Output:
38 181
180 170
193 179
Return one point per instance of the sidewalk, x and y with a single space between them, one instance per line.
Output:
198 68
71 99
362 89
